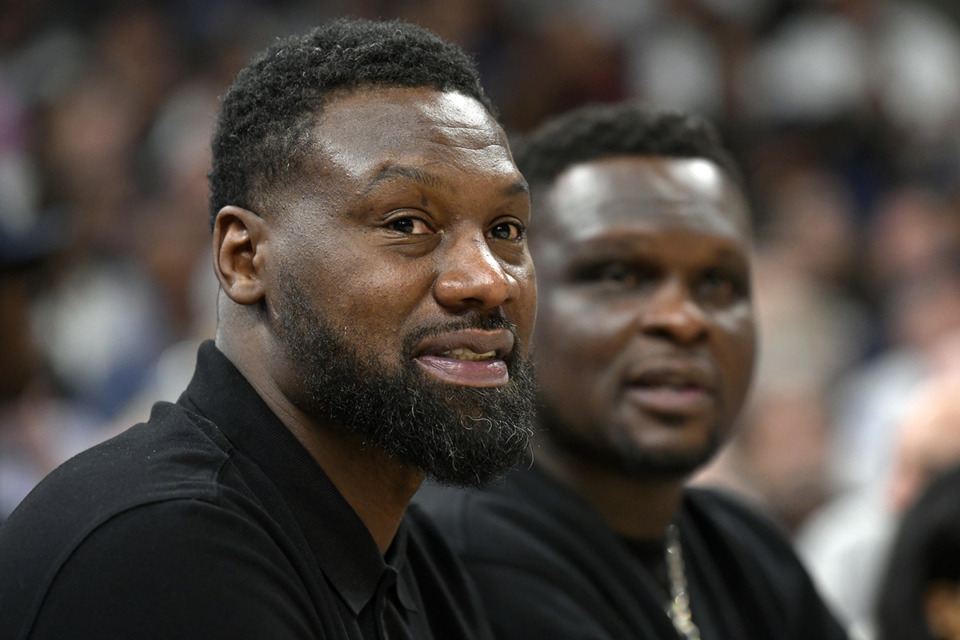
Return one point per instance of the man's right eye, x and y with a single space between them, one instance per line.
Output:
616 276
600 273
410 226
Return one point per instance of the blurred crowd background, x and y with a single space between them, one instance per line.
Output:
845 115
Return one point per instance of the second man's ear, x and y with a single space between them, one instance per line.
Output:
239 249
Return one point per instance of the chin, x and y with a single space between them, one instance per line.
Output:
665 462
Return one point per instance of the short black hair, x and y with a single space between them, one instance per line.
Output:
265 119
599 131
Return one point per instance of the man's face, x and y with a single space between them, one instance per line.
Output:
645 339
404 296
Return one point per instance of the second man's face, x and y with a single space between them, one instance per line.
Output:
645 337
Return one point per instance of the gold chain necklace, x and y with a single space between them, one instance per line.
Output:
679 607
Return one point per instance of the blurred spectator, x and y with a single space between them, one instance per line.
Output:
919 310
846 544
690 54
170 221
848 57
928 440
911 229
39 429
920 595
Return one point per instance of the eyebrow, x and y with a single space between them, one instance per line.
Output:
430 180
391 171
636 247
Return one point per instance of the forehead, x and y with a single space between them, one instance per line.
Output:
368 128
654 193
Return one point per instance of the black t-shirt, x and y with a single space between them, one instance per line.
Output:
547 566
652 554
212 521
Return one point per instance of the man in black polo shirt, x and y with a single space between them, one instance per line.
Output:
645 343
375 309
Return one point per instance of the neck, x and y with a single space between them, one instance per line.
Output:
376 486
640 509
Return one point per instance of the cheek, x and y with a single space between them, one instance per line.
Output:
736 355
523 312
386 293
577 344
368 308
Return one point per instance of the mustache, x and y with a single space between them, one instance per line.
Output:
473 320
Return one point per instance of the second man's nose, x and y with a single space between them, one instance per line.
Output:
672 312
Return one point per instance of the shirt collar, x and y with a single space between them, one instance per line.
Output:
341 543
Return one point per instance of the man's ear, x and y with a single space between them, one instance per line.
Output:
239 250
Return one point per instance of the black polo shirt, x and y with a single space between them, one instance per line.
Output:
548 567
212 521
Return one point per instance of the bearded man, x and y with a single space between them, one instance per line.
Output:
375 308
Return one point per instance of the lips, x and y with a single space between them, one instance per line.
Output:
674 373
468 357
679 387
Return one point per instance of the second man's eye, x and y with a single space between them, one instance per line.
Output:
410 226
616 276
721 288
507 231
620 275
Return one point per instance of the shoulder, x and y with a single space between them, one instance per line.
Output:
154 570
731 512
171 455
541 562
141 512
515 520
739 524
752 554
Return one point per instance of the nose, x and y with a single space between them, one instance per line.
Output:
472 278
673 313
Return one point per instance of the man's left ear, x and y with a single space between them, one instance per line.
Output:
239 250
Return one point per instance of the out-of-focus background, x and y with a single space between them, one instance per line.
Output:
845 115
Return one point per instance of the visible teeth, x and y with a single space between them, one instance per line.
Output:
462 353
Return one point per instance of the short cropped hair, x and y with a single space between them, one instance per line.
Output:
594 132
265 123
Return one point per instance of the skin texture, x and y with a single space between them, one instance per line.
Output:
645 340
409 220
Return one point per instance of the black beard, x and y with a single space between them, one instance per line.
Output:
624 455
457 435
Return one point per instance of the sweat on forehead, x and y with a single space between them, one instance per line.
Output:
264 124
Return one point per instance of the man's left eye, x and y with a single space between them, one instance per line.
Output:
410 226
507 231
722 288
